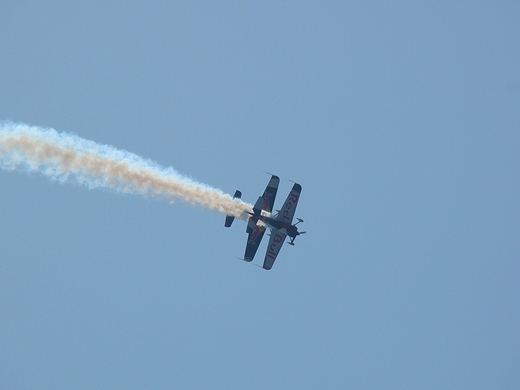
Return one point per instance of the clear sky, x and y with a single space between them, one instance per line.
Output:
401 121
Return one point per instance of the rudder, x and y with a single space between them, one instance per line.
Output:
230 218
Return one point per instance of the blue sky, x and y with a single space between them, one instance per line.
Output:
401 121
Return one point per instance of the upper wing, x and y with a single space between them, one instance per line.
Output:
256 233
286 213
270 193
275 244
253 241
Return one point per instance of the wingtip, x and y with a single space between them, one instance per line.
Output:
273 176
296 186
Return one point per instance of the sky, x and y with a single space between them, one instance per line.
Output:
400 120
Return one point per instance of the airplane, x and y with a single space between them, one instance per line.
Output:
261 218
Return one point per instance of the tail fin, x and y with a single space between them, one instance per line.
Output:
230 218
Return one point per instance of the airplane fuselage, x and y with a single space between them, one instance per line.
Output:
276 224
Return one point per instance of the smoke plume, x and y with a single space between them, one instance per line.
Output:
68 158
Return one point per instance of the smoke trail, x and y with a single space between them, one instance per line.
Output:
67 157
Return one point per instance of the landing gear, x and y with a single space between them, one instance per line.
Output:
293 231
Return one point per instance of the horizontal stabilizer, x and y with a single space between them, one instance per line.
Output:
230 218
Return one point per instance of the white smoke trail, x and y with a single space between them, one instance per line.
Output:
67 157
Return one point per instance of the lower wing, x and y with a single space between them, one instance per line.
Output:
275 244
